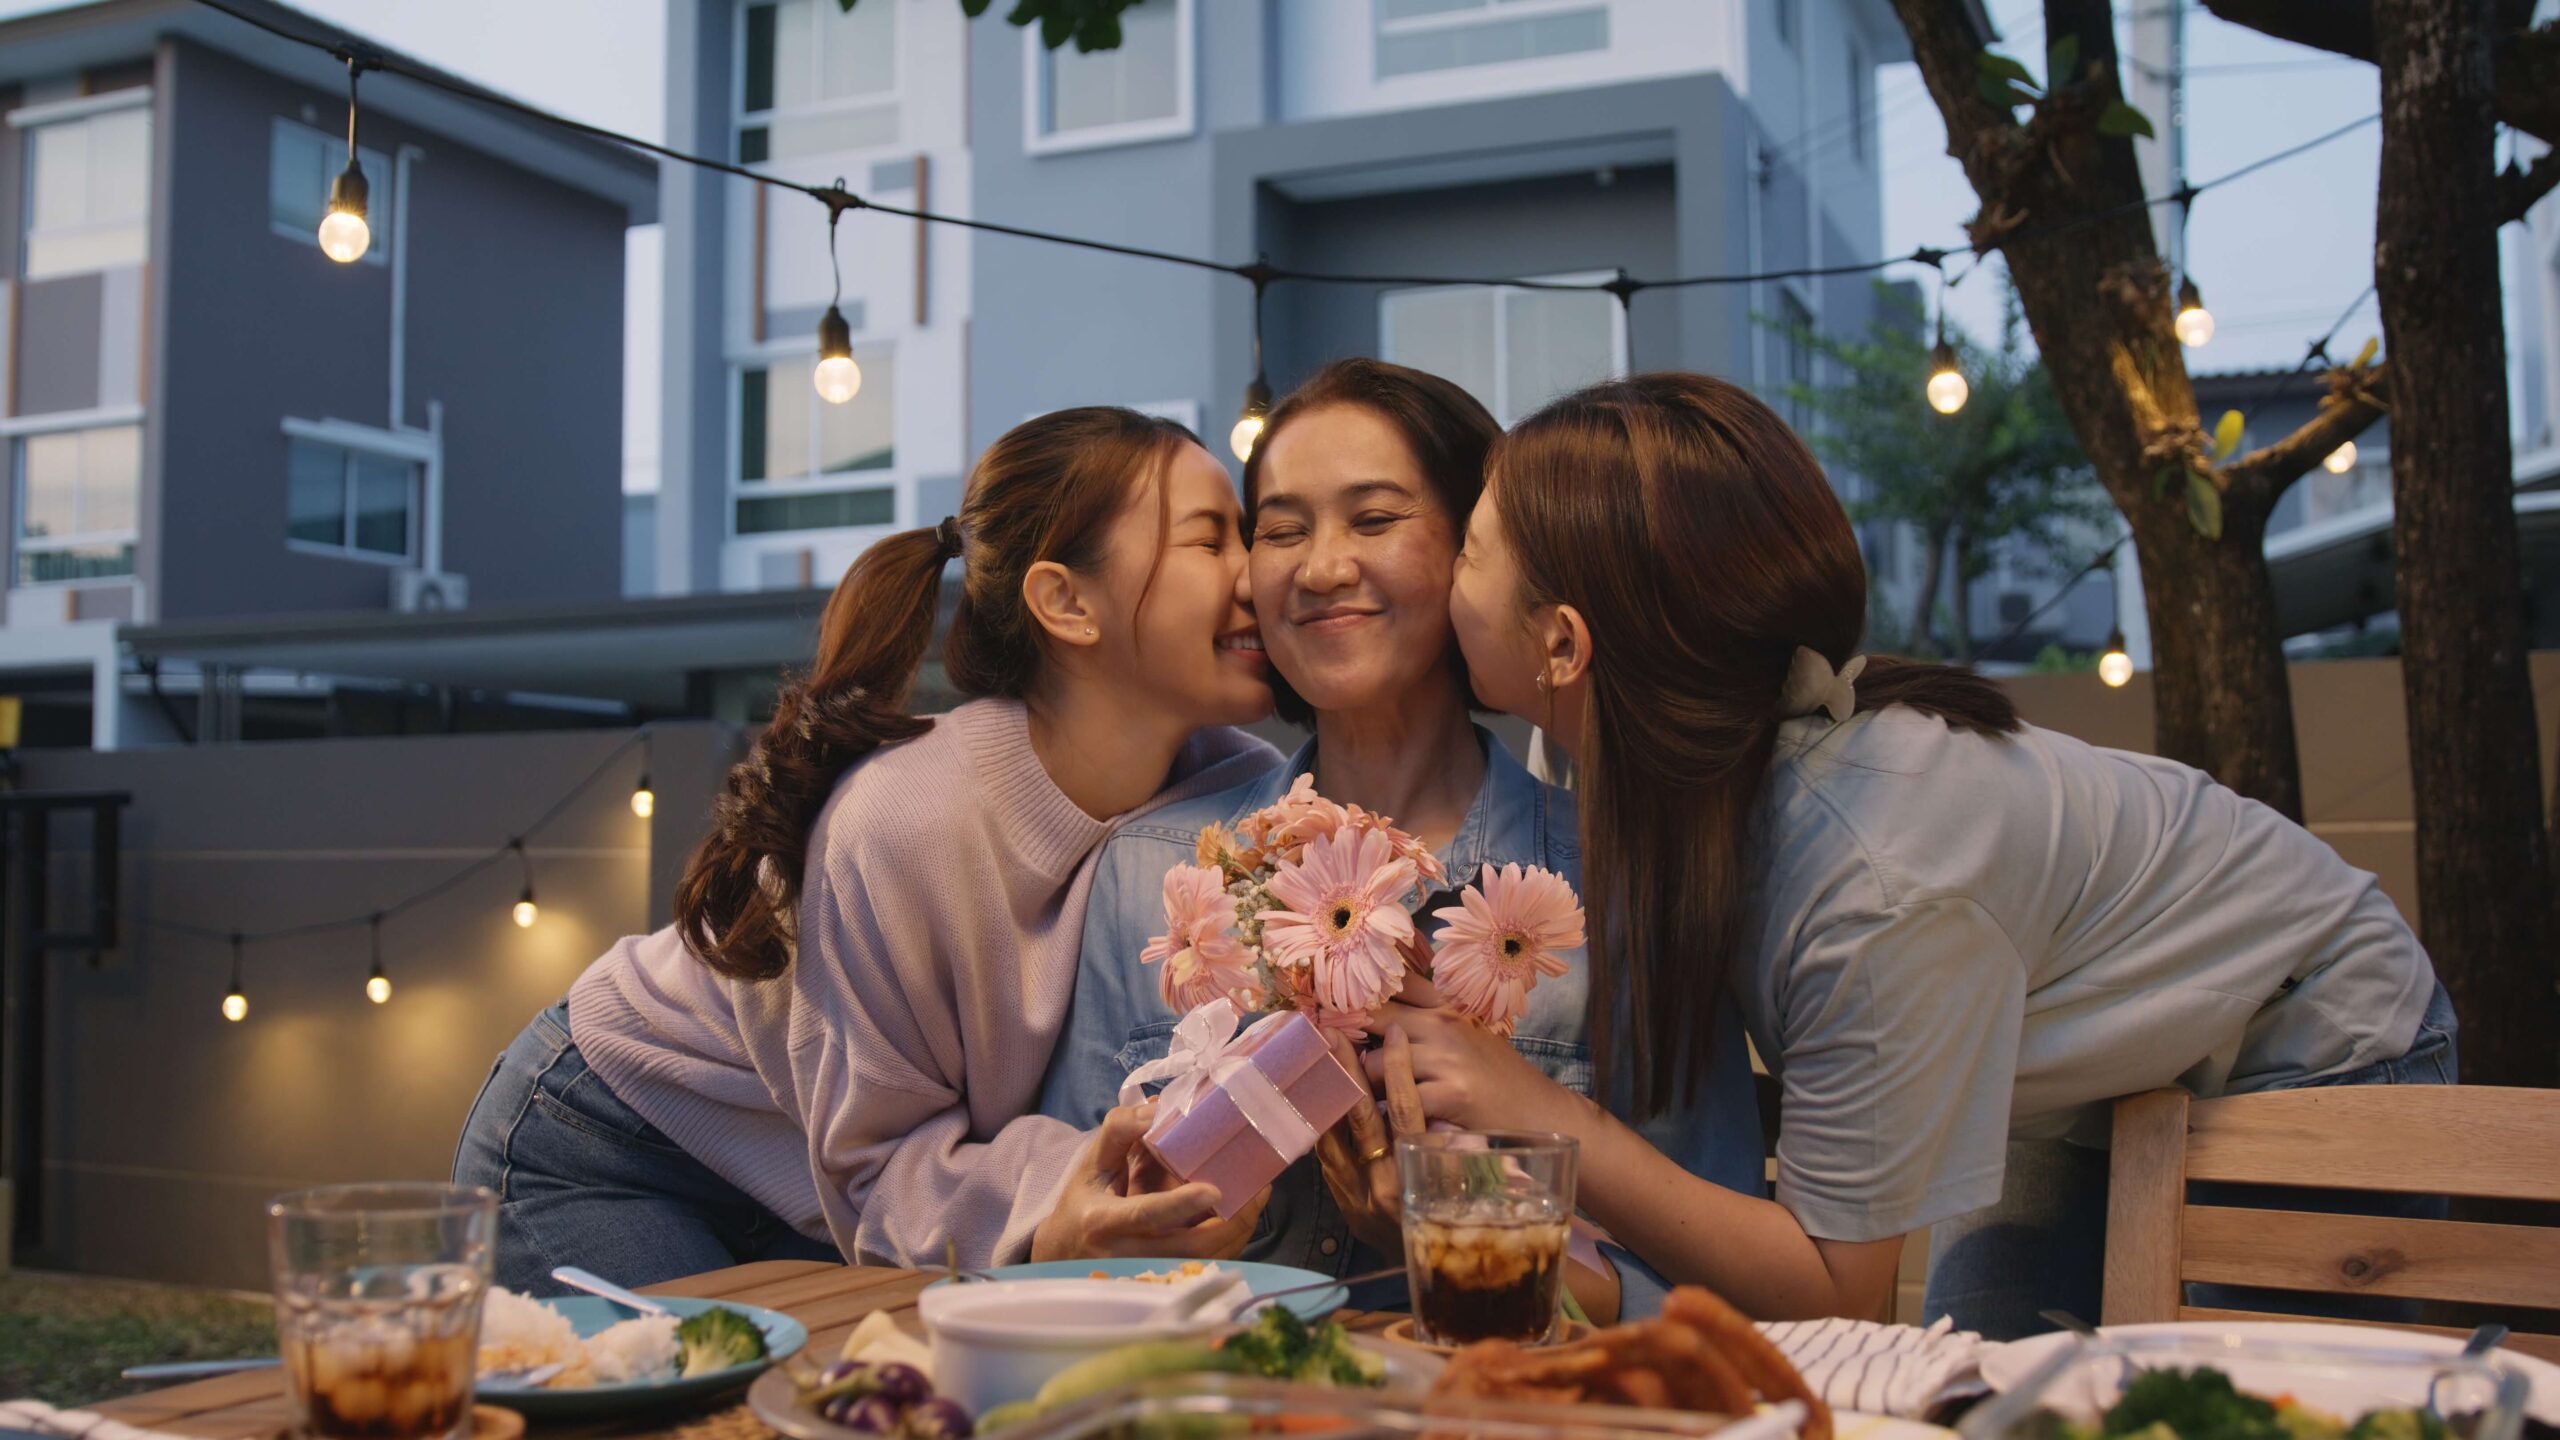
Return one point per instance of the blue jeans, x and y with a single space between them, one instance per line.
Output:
583 1180
2043 1246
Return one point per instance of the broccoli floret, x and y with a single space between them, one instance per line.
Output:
715 1340
2397 1425
1280 1346
2194 1405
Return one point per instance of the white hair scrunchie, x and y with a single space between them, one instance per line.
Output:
1814 687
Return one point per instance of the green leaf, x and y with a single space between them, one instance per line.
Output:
1993 63
2371 348
2062 62
2003 93
2226 435
2204 505
2120 120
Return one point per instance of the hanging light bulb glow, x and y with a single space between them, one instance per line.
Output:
2194 323
235 1001
526 911
344 233
1947 388
377 986
2115 667
2341 460
838 379
644 801
1248 427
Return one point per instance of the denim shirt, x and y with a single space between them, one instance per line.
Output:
1119 1021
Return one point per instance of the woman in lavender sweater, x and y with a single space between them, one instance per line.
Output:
837 1048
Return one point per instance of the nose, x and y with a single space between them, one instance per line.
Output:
1329 566
1244 581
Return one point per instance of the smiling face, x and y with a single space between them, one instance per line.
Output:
1505 654
1184 633
1351 559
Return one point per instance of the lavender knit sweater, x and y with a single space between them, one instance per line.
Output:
884 1091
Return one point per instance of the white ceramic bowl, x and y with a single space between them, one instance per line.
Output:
995 1342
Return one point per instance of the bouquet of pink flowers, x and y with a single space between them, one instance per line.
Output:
1303 906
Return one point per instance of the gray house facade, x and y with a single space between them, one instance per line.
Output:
208 419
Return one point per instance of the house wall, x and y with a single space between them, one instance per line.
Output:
166 1127
514 323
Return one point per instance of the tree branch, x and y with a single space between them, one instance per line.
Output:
2263 474
2527 59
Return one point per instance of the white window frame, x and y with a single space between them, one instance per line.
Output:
1502 325
407 449
14 428
378 177
1382 28
741 118
891 477
29 118
1180 125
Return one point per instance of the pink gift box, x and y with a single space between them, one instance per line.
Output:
1217 1140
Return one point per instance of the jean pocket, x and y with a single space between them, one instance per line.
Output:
1146 1045
1566 1062
582 1101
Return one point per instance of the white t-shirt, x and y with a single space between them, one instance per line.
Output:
1963 939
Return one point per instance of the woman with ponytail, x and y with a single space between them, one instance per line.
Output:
837 1047
1946 930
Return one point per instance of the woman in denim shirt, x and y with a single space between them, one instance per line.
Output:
1357 496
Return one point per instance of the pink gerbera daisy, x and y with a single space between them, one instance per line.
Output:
1296 818
1343 922
1202 957
1500 937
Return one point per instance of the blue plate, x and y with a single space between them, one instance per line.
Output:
783 1337
1261 1279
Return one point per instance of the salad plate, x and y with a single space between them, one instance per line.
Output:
589 1315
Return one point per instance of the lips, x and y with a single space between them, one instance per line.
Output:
1244 645
1336 617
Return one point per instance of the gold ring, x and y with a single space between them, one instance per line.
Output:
1375 1156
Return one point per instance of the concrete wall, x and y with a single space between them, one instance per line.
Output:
514 323
168 1127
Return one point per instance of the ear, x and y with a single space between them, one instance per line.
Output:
1057 601
1566 643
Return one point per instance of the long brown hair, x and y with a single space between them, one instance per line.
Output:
1698 539
1448 430
1047 490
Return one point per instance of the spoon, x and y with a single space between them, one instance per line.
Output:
594 1284
1189 1300
2073 1323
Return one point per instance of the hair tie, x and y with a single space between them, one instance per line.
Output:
1813 687
947 536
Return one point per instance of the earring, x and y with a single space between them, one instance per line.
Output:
1542 682
1088 632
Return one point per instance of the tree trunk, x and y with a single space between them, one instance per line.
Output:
2063 204
2484 872
1925 603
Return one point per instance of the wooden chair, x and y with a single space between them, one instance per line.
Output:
2412 1139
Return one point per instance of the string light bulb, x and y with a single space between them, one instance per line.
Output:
1947 388
2115 667
2340 460
2194 323
377 986
526 912
644 801
235 1001
1248 427
837 377
344 233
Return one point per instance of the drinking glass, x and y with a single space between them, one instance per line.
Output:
1485 1220
378 1291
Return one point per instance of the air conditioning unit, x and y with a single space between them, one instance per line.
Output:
427 592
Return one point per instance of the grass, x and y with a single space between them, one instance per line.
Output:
63 1338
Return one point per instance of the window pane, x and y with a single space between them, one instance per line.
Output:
50 465
858 51
862 433
755 145
764 514
1557 343
792 37
90 197
297 178
383 490
59 195
787 398
1447 332
1407 9
110 479
1857 102
1139 81
84 562
120 165
827 132
751 389
315 493
757 94
1495 41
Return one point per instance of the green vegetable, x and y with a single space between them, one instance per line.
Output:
1280 1346
2191 1405
1130 1364
2304 1422
2397 1425
715 1340
1005 1417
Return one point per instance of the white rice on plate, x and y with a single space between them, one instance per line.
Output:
518 1332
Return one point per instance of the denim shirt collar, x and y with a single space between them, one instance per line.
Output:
1508 822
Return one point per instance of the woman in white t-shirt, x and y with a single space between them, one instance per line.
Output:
1947 930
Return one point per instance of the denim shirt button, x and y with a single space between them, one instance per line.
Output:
1328 1245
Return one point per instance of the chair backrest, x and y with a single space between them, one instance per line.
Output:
2466 1140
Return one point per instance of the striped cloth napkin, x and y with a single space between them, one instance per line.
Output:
1883 1369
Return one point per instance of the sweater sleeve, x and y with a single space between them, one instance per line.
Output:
906 1176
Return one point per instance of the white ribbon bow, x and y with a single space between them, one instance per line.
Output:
1813 686
1204 1057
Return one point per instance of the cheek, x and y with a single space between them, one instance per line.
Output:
1268 569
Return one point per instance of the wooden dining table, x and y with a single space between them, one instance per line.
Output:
829 1299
